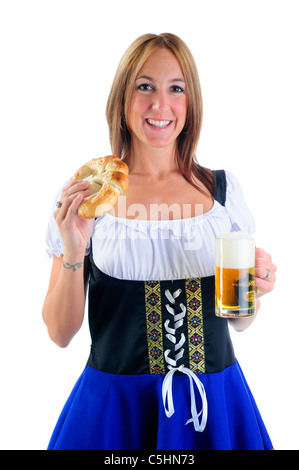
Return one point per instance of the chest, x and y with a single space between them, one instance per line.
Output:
162 200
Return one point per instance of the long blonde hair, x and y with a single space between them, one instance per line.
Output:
121 93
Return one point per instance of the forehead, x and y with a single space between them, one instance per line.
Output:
162 62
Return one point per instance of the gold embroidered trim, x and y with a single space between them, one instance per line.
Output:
154 327
195 326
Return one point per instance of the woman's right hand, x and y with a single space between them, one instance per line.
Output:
75 230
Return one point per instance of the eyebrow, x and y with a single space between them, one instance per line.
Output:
146 77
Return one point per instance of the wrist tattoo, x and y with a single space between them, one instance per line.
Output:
74 267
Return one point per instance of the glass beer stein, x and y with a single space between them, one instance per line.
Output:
235 275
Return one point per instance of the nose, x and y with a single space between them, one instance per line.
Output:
160 102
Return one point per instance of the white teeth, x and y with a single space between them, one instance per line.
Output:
152 122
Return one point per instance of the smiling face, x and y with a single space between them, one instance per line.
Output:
158 107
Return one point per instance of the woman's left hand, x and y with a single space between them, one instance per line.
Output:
265 270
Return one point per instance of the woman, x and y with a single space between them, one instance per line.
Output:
159 358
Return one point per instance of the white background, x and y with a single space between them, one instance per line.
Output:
57 60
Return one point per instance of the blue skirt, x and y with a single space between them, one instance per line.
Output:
126 412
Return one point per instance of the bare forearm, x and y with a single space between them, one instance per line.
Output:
63 309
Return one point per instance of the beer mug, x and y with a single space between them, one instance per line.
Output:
235 275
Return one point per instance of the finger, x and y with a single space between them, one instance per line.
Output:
263 259
73 209
266 274
264 266
264 285
61 212
74 187
260 253
68 198
259 292
262 272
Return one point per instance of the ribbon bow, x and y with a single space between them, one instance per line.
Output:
167 397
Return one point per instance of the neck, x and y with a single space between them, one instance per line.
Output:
149 161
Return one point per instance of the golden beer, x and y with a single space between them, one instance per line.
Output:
235 275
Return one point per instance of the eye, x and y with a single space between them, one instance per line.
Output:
177 89
145 87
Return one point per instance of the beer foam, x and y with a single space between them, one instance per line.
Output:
235 250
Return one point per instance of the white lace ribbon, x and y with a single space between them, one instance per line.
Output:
199 425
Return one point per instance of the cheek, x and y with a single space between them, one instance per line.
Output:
137 108
139 105
181 110
181 106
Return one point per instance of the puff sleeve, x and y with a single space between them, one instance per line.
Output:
236 207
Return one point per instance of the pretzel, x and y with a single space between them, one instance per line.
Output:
108 178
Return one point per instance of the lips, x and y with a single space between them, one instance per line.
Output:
158 123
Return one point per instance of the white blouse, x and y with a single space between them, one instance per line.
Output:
161 249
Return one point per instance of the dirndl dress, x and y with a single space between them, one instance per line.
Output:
162 372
